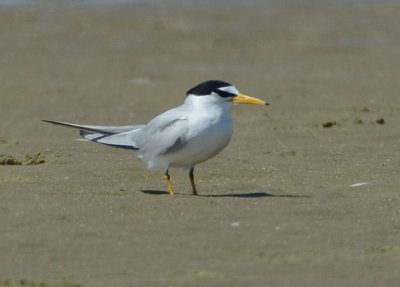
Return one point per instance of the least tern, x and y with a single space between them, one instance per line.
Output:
181 137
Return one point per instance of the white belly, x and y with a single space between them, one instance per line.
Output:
202 144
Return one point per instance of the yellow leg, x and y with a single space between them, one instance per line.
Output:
191 176
168 183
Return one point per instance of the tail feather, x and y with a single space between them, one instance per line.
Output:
115 136
90 136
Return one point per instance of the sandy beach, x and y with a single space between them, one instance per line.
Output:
306 194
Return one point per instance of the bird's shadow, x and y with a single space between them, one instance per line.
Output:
232 195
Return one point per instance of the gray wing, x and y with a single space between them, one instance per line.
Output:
105 130
115 136
164 134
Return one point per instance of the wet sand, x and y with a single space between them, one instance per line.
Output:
307 192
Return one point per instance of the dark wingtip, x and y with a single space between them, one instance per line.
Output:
51 122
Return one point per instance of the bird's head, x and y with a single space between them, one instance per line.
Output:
221 91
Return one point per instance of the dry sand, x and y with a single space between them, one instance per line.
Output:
277 206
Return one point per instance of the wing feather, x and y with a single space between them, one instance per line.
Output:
105 130
115 136
164 134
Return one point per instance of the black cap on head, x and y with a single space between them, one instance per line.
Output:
207 87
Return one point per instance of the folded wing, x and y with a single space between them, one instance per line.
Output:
115 136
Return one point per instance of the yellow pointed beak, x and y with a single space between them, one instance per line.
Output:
243 99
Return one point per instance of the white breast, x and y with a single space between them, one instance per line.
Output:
207 139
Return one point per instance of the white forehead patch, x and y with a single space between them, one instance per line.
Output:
229 89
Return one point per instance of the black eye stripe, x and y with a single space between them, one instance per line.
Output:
224 94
